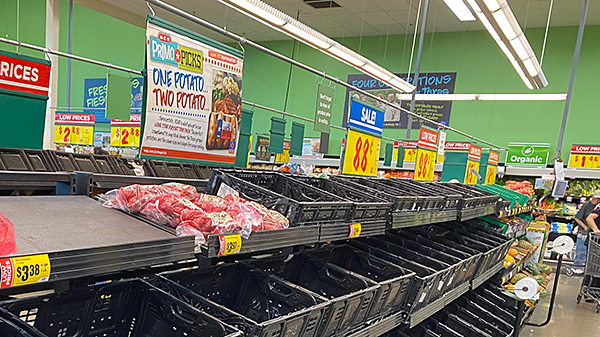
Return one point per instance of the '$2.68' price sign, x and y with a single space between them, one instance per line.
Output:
425 164
361 155
22 270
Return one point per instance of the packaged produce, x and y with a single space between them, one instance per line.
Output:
192 213
133 198
8 244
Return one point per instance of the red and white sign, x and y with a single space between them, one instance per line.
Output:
474 153
585 149
6 273
74 118
494 158
134 120
24 76
408 144
457 146
428 139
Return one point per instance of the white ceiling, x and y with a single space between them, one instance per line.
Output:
361 17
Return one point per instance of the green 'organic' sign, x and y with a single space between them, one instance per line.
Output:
527 154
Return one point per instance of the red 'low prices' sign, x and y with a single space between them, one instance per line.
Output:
74 118
474 153
24 76
585 149
494 158
457 146
428 139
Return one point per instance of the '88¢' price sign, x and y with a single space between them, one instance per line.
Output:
361 155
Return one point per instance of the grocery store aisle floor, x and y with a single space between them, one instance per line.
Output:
569 318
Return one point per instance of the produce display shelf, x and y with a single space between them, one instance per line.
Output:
421 315
380 327
82 238
514 211
472 213
59 182
481 279
343 231
87 182
444 216
262 241
410 219
510 271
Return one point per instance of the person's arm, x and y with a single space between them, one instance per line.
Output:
581 224
591 221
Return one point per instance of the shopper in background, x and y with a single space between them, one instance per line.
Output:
583 230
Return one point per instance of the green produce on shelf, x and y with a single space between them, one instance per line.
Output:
545 269
540 280
532 267
518 277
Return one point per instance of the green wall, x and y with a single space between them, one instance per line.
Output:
480 65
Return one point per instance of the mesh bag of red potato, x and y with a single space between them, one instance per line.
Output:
133 198
8 244
166 209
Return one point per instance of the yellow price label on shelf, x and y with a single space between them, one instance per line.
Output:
410 154
125 136
229 244
588 161
470 176
282 157
361 155
73 134
425 164
23 270
490 174
355 230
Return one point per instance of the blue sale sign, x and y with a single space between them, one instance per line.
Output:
366 118
94 97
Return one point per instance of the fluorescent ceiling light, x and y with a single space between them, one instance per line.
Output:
278 20
307 37
502 25
462 12
493 5
258 11
345 56
377 73
505 25
484 97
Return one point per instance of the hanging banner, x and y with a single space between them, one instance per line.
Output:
527 154
426 155
428 83
492 167
94 97
194 96
126 133
74 128
24 75
365 118
473 160
323 110
584 157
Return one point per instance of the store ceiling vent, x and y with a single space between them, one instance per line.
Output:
319 4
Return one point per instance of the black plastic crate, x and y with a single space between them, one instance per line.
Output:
12 326
65 162
157 169
446 271
249 299
107 164
469 262
350 294
401 202
485 314
472 196
131 308
460 325
476 319
366 206
456 276
302 204
203 172
417 331
14 160
40 160
441 328
429 199
424 283
452 198
394 281
189 171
